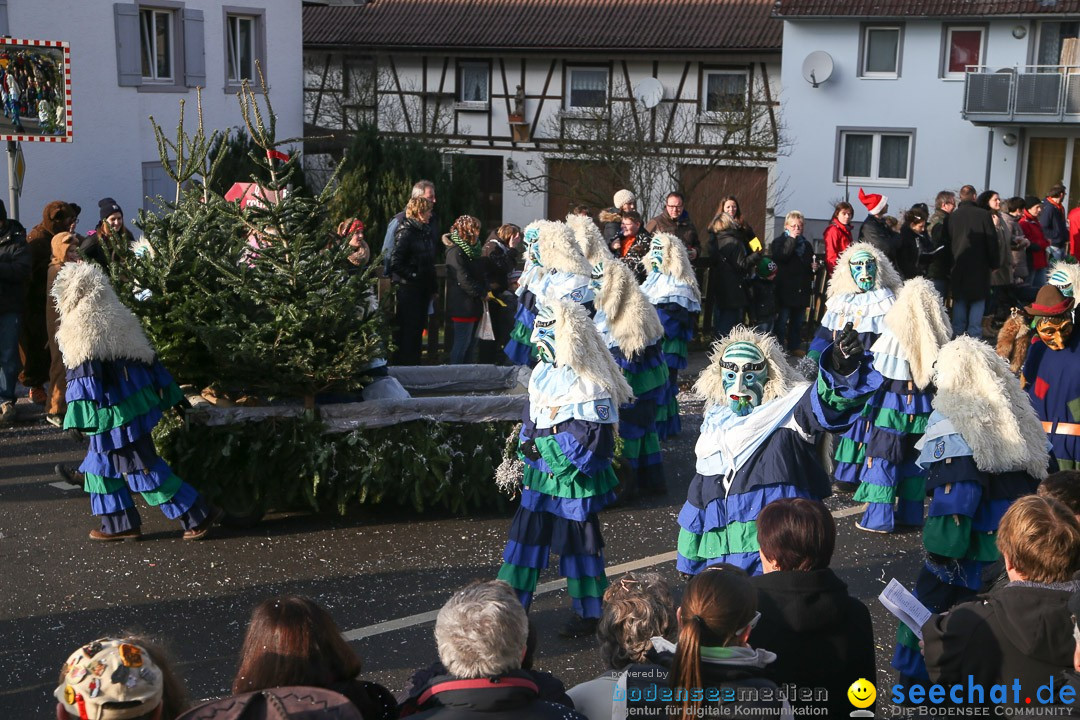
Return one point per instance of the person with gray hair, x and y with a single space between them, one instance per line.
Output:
424 189
481 633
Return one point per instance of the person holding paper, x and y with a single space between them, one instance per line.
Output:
1024 631
758 441
983 448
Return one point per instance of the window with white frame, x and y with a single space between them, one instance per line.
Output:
724 91
472 82
241 47
880 51
586 88
157 30
963 48
878 156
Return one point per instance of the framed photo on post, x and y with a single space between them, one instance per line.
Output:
35 90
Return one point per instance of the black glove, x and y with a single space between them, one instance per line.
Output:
528 449
847 351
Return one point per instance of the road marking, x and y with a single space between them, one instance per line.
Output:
421 618
64 485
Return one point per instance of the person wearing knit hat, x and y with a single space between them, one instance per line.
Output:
1051 373
110 679
625 200
874 230
111 225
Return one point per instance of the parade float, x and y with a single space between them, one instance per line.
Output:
280 343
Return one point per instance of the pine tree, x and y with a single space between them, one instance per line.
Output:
250 300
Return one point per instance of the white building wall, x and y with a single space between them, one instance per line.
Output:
112 133
949 151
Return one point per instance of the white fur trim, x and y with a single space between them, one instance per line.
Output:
579 345
559 249
676 262
921 326
782 377
632 319
841 282
984 401
880 206
94 324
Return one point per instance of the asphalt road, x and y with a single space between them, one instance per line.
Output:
60 590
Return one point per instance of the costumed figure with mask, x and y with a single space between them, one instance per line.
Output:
861 291
672 288
895 416
759 437
983 448
561 273
631 328
1051 373
116 392
1015 337
1065 276
567 443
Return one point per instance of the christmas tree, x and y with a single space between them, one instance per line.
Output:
257 298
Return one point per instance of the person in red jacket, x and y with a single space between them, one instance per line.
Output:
1074 232
838 234
1029 223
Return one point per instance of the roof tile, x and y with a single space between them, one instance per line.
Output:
922 8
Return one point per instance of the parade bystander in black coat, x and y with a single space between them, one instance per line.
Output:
972 244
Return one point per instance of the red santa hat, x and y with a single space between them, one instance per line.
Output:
874 203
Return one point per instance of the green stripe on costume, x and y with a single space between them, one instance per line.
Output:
906 637
984 547
90 418
735 538
869 492
165 491
576 485
674 346
834 399
102 485
948 535
849 451
586 587
644 446
519 578
643 382
1074 409
1066 464
912 488
902 422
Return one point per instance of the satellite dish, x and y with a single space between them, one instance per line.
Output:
649 92
817 67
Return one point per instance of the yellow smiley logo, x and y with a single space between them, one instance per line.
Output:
862 693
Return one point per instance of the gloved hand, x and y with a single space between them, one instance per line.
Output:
847 350
528 449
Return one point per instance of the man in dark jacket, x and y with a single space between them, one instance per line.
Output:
803 604
971 242
15 266
874 230
1022 633
676 221
795 269
481 634
1052 219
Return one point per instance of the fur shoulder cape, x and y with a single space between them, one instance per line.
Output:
578 344
589 239
632 319
841 282
984 401
559 249
676 261
94 324
782 377
920 324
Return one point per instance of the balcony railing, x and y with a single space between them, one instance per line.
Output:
1022 94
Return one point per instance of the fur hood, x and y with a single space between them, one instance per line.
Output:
559 249
611 215
589 240
631 318
920 324
578 344
782 377
57 217
984 401
841 282
676 262
94 325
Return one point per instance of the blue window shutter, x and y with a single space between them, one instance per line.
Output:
3 18
128 57
194 55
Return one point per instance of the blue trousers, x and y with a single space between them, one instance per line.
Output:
967 317
464 342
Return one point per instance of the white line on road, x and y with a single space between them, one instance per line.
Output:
421 618
64 485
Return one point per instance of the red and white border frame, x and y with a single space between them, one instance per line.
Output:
67 136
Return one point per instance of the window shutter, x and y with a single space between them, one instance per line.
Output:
3 18
194 55
128 58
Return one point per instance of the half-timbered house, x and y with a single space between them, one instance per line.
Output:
559 102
